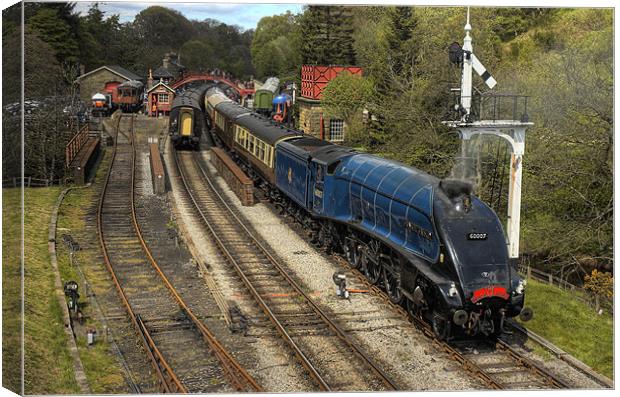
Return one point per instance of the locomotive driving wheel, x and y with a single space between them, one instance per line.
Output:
391 283
371 263
441 326
352 252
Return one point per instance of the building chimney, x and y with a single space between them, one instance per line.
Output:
82 69
166 61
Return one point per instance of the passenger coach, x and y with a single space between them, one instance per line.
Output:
187 120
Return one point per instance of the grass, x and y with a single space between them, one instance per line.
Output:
102 369
11 296
572 325
48 365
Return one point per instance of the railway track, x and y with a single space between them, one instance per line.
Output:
327 353
184 354
495 363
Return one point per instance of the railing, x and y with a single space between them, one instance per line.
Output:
489 106
75 144
29 181
578 292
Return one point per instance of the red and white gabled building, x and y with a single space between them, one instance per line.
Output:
159 99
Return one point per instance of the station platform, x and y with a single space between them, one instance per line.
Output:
82 163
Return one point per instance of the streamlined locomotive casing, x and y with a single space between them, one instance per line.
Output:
456 243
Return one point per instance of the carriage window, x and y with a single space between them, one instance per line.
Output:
251 145
260 150
268 156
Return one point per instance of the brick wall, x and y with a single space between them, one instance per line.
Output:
310 119
94 83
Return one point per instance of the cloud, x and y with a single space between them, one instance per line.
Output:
245 15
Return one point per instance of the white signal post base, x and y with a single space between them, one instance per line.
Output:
513 132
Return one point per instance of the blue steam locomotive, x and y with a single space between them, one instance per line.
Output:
431 244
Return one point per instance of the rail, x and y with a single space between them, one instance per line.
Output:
230 214
466 363
168 381
75 144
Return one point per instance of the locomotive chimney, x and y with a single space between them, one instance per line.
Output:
455 188
459 192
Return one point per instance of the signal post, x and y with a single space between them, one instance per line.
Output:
487 117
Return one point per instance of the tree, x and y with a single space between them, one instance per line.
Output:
160 26
600 284
49 26
568 194
198 55
276 36
346 95
327 33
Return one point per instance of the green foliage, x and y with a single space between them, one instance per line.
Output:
275 49
198 55
49 26
158 25
571 325
327 33
346 95
568 180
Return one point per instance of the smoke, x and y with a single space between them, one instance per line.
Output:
477 154
466 166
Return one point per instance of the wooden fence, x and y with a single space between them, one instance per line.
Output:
578 292
75 144
31 182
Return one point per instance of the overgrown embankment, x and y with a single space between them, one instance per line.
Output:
102 369
572 325
48 365
11 295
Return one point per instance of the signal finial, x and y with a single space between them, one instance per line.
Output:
467 25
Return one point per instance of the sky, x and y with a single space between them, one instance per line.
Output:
244 15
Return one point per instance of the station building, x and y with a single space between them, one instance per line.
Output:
312 119
159 99
170 69
104 80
